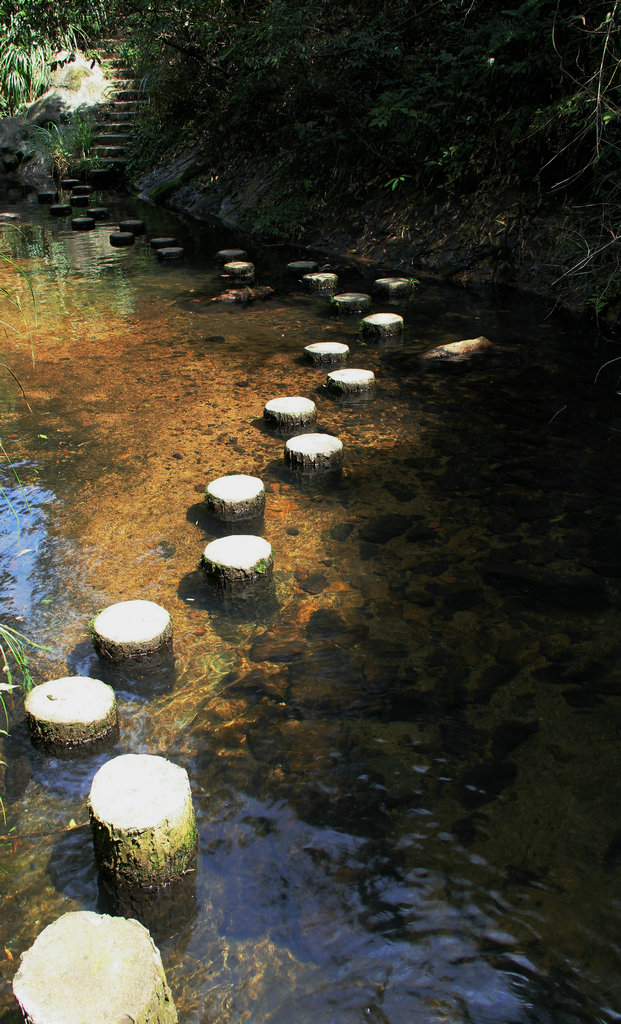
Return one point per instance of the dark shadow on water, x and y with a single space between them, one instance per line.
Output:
72 868
162 909
199 515
146 677
254 603
311 483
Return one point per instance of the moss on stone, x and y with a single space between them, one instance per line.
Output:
162 191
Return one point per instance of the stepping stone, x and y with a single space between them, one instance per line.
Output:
240 270
99 177
97 212
78 200
351 302
142 819
96 968
162 243
351 382
137 227
61 210
302 267
120 238
68 183
230 255
81 190
314 453
321 283
394 287
236 497
290 413
326 353
238 560
131 629
47 198
381 327
83 223
70 712
170 252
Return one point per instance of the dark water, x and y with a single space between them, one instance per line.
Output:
405 762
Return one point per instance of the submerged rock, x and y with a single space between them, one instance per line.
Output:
456 351
244 294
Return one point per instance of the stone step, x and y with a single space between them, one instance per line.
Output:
108 152
123 95
109 139
126 106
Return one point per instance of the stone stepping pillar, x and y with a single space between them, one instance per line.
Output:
47 198
326 353
162 243
68 183
96 968
61 210
230 255
351 382
236 497
351 302
131 629
169 253
302 267
142 819
83 223
97 212
121 238
240 270
394 287
75 711
137 227
314 453
321 283
381 327
79 200
81 190
290 413
99 177
238 560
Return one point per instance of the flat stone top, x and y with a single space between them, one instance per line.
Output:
352 297
235 488
293 405
328 348
138 791
231 254
392 280
321 276
315 444
383 319
239 551
351 376
88 967
238 265
131 622
71 699
161 243
307 265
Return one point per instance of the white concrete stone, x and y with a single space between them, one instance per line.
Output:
381 327
71 711
290 412
326 353
238 559
131 628
321 283
302 267
351 302
230 255
394 287
240 270
312 453
236 497
351 381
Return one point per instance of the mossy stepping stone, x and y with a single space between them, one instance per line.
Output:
75 711
121 238
137 227
163 243
79 200
302 267
97 212
238 560
290 413
240 270
235 497
170 253
381 327
47 198
83 223
61 210
394 287
326 353
351 381
230 255
321 283
314 453
131 629
68 183
351 302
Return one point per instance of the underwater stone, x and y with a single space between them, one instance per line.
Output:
381 327
240 270
130 629
70 712
170 252
142 819
230 255
137 227
326 353
238 560
96 968
162 243
83 223
351 381
394 287
120 238
321 283
301 267
60 210
236 497
314 453
97 212
289 413
351 302
47 198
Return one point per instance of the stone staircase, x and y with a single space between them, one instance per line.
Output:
114 121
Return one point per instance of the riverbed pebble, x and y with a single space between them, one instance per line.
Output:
238 560
314 453
70 712
142 820
381 327
235 497
321 283
290 413
351 381
351 302
96 968
326 353
130 629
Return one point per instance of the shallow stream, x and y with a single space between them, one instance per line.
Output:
405 759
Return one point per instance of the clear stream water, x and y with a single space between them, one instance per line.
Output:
406 761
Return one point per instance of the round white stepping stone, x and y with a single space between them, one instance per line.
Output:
70 712
314 453
326 353
351 302
142 818
302 267
238 560
351 381
290 413
230 255
236 497
394 287
96 968
321 283
380 327
240 270
131 628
